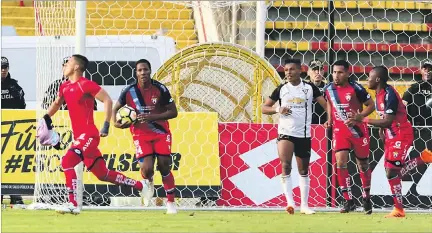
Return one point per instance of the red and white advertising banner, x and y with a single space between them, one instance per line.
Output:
251 170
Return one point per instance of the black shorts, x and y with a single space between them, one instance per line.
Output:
302 146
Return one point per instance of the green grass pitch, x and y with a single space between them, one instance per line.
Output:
14 220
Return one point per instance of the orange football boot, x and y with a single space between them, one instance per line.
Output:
290 210
426 156
396 213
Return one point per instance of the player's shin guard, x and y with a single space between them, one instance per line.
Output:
365 177
396 189
304 183
69 161
344 182
287 189
169 186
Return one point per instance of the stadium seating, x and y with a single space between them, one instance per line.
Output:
116 18
294 28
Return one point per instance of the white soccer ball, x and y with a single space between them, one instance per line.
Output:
126 114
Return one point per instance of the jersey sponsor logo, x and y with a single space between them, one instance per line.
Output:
397 145
365 141
296 100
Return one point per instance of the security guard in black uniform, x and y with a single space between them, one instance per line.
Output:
12 94
416 96
12 98
316 76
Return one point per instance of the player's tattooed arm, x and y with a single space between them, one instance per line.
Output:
55 106
103 97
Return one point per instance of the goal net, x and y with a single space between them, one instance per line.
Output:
226 58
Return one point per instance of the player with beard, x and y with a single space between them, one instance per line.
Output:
343 97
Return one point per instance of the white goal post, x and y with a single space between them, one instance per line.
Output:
228 59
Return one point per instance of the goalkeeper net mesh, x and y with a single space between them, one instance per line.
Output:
225 154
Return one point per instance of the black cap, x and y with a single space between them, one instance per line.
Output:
65 60
427 64
315 64
5 62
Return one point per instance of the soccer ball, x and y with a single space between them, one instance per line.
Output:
126 114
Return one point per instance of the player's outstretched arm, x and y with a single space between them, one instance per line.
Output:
55 106
103 97
383 123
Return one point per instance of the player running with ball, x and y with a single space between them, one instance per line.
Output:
295 99
79 94
395 131
344 96
151 134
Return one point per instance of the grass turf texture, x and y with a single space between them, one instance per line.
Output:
15 220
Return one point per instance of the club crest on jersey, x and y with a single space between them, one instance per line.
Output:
348 96
154 99
305 91
382 105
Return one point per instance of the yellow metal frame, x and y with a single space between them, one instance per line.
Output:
196 56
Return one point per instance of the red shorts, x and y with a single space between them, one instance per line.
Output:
87 146
396 150
155 144
356 139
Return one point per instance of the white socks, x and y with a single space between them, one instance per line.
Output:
304 183
287 189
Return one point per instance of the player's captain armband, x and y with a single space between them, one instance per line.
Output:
46 135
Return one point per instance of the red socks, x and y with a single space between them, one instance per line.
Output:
396 189
68 163
410 165
169 186
366 182
120 179
100 170
344 182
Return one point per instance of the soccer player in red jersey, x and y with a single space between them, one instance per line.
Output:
79 94
343 97
151 134
395 131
